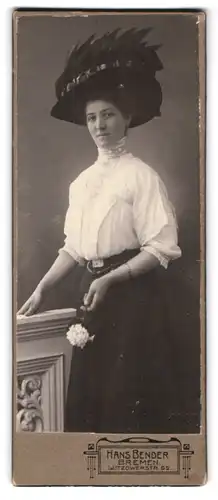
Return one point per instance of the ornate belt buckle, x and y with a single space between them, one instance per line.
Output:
97 263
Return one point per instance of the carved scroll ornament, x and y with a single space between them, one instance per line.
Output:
29 415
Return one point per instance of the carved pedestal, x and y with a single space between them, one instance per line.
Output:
43 356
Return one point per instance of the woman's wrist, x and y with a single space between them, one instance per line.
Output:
106 278
121 273
138 265
43 287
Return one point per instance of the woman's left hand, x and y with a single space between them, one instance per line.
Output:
96 293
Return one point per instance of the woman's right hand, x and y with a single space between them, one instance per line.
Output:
32 304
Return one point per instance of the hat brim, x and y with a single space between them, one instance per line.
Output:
144 98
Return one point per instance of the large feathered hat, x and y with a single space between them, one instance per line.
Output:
119 66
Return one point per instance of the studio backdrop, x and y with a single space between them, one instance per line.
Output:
51 153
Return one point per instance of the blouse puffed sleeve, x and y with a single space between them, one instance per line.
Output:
70 229
155 219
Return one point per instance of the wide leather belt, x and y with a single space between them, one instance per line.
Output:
102 266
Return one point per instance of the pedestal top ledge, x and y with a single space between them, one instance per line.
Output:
45 324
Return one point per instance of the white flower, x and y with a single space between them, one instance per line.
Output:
79 336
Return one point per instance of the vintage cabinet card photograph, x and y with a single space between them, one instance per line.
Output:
109 248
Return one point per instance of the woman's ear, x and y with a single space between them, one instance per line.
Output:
128 120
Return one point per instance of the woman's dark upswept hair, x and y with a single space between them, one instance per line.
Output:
117 97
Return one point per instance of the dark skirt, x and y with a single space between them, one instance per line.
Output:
126 380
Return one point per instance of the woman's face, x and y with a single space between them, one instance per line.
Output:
105 122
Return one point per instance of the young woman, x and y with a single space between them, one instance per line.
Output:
121 226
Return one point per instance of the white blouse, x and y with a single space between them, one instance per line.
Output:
119 203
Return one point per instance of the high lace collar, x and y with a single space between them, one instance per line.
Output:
106 156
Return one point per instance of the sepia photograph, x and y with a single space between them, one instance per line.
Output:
109 231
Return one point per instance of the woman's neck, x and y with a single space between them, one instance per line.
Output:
112 152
